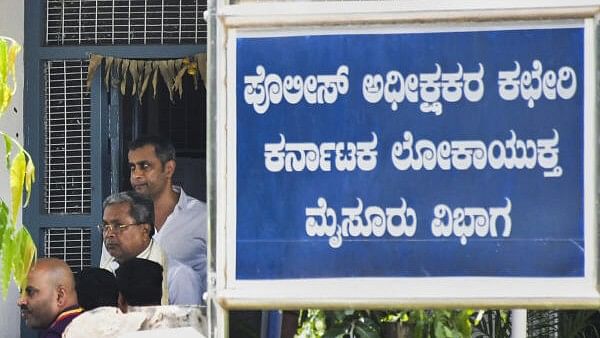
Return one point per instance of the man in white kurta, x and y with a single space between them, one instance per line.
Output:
127 232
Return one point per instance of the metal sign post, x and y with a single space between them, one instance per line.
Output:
374 161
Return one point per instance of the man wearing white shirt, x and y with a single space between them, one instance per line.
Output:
180 220
127 229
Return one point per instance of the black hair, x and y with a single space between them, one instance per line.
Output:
96 287
163 148
140 282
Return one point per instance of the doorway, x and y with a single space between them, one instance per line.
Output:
181 120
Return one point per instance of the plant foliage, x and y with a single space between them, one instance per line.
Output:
381 324
444 324
492 324
17 249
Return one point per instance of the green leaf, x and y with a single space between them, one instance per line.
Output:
8 56
504 315
8 145
440 330
4 89
29 179
8 253
320 325
13 50
365 331
4 61
338 316
395 317
3 222
367 321
4 97
17 177
17 249
462 322
27 251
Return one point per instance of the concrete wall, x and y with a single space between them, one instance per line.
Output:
11 24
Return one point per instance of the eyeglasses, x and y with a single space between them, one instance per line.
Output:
115 228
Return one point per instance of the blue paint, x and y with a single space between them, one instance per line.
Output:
546 239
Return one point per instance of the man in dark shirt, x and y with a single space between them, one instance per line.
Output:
139 282
96 287
49 302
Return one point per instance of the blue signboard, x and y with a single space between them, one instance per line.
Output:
410 155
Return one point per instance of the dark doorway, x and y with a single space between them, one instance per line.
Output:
181 120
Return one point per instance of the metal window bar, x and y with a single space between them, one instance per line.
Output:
80 24
180 22
129 24
67 138
125 22
73 245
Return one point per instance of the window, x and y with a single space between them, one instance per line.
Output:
72 131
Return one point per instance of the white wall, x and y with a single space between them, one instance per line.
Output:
11 24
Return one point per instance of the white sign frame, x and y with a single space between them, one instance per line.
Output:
275 19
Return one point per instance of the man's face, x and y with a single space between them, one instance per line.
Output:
148 176
39 300
126 242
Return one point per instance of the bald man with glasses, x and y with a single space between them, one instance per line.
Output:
127 229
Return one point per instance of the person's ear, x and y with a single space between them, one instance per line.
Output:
61 295
170 168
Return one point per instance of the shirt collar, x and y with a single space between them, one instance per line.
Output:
148 251
145 254
182 197
68 312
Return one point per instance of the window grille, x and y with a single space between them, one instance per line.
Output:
73 245
125 22
67 135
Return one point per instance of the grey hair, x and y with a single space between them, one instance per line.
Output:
141 208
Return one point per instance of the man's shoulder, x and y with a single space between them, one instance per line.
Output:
188 202
177 271
175 266
185 285
189 218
